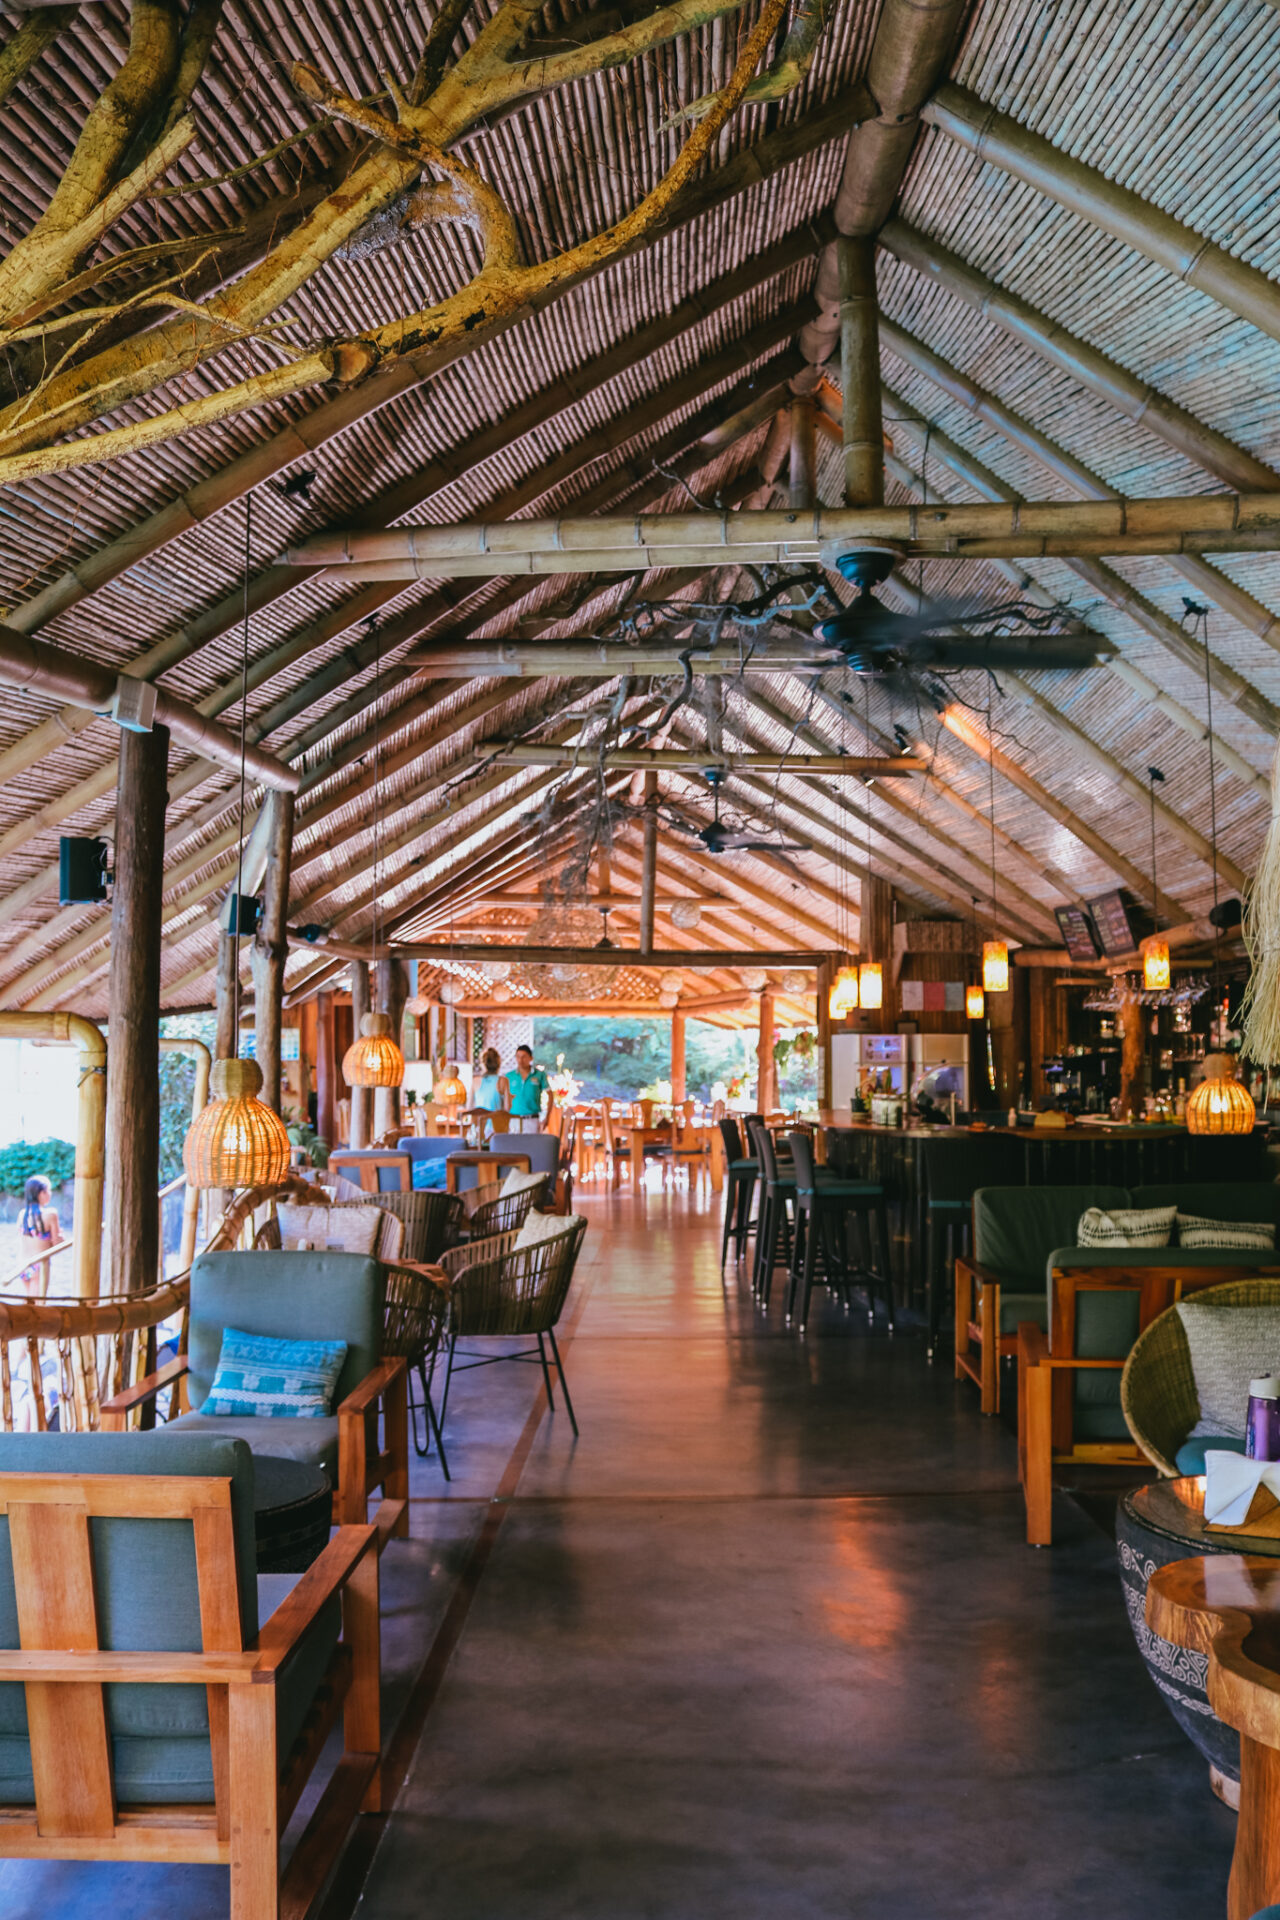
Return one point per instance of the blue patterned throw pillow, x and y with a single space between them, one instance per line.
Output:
268 1379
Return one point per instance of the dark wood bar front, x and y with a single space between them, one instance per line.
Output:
1060 1156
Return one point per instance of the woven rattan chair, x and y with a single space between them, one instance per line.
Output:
1157 1387
432 1220
505 1213
504 1292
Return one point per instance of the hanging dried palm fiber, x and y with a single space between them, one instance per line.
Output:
1261 1011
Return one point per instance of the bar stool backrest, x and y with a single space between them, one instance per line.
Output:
802 1154
762 1141
733 1147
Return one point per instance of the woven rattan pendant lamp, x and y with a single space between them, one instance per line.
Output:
374 1059
237 1140
995 953
1155 953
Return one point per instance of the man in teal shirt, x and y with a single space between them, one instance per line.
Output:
528 1084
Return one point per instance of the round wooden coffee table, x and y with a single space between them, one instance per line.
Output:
1156 1524
292 1513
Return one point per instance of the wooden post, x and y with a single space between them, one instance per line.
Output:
270 946
360 1101
224 1037
860 374
823 983
649 865
326 1069
393 991
133 1082
677 1058
766 1069
803 470
1133 1057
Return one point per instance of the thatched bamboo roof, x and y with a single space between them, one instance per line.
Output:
600 399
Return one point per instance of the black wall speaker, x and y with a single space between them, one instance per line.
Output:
82 872
243 912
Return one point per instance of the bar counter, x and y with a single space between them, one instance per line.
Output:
1079 1155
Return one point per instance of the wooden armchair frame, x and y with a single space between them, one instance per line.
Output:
1048 1366
978 1326
256 1787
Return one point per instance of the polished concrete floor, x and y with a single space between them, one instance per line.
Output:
765 1641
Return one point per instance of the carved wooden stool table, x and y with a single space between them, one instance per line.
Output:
1227 1607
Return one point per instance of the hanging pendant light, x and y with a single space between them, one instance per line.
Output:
995 953
236 1140
870 985
995 966
373 1059
974 1002
1220 1104
1155 953
449 1090
842 1000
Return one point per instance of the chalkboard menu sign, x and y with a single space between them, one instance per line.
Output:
1111 919
1077 933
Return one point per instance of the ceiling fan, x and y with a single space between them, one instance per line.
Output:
719 837
950 635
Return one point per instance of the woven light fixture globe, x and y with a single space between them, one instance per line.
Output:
1155 966
236 1141
995 966
1220 1104
870 985
449 1090
842 1000
374 1059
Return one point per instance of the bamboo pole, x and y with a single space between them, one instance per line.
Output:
1187 255
326 1068
802 464
270 948
1144 405
682 760
660 957
766 1068
677 1064
622 543
360 1096
860 374
649 866
391 991
133 1086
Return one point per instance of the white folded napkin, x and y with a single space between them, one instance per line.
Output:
1230 1482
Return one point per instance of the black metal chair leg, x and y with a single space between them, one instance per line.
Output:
764 1236
433 1424
882 1234
564 1384
546 1373
810 1263
448 1378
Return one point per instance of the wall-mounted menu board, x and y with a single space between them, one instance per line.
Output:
1111 919
1077 932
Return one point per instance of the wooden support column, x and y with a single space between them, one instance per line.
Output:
224 1037
326 1069
860 374
803 470
823 984
361 1101
1133 1058
132 1218
270 945
677 1058
766 1067
649 862
393 991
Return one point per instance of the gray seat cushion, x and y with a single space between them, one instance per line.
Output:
1017 1307
315 1442
292 1296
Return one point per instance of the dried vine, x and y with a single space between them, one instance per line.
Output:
117 160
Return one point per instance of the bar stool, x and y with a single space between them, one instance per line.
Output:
824 1205
778 1192
741 1172
953 1169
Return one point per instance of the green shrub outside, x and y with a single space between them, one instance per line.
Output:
55 1159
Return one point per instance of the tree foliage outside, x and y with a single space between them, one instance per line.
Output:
177 1087
55 1159
616 1059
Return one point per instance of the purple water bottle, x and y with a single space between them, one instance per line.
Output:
1262 1423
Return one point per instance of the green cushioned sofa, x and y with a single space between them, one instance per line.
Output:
127 1554
1070 1314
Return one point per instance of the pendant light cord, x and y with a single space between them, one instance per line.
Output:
244 722
377 804
1152 776
991 809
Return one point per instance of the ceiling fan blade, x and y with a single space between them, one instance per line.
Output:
739 843
1012 650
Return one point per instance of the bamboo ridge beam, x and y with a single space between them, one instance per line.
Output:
450 658
612 543
523 955
682 760
1002 142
